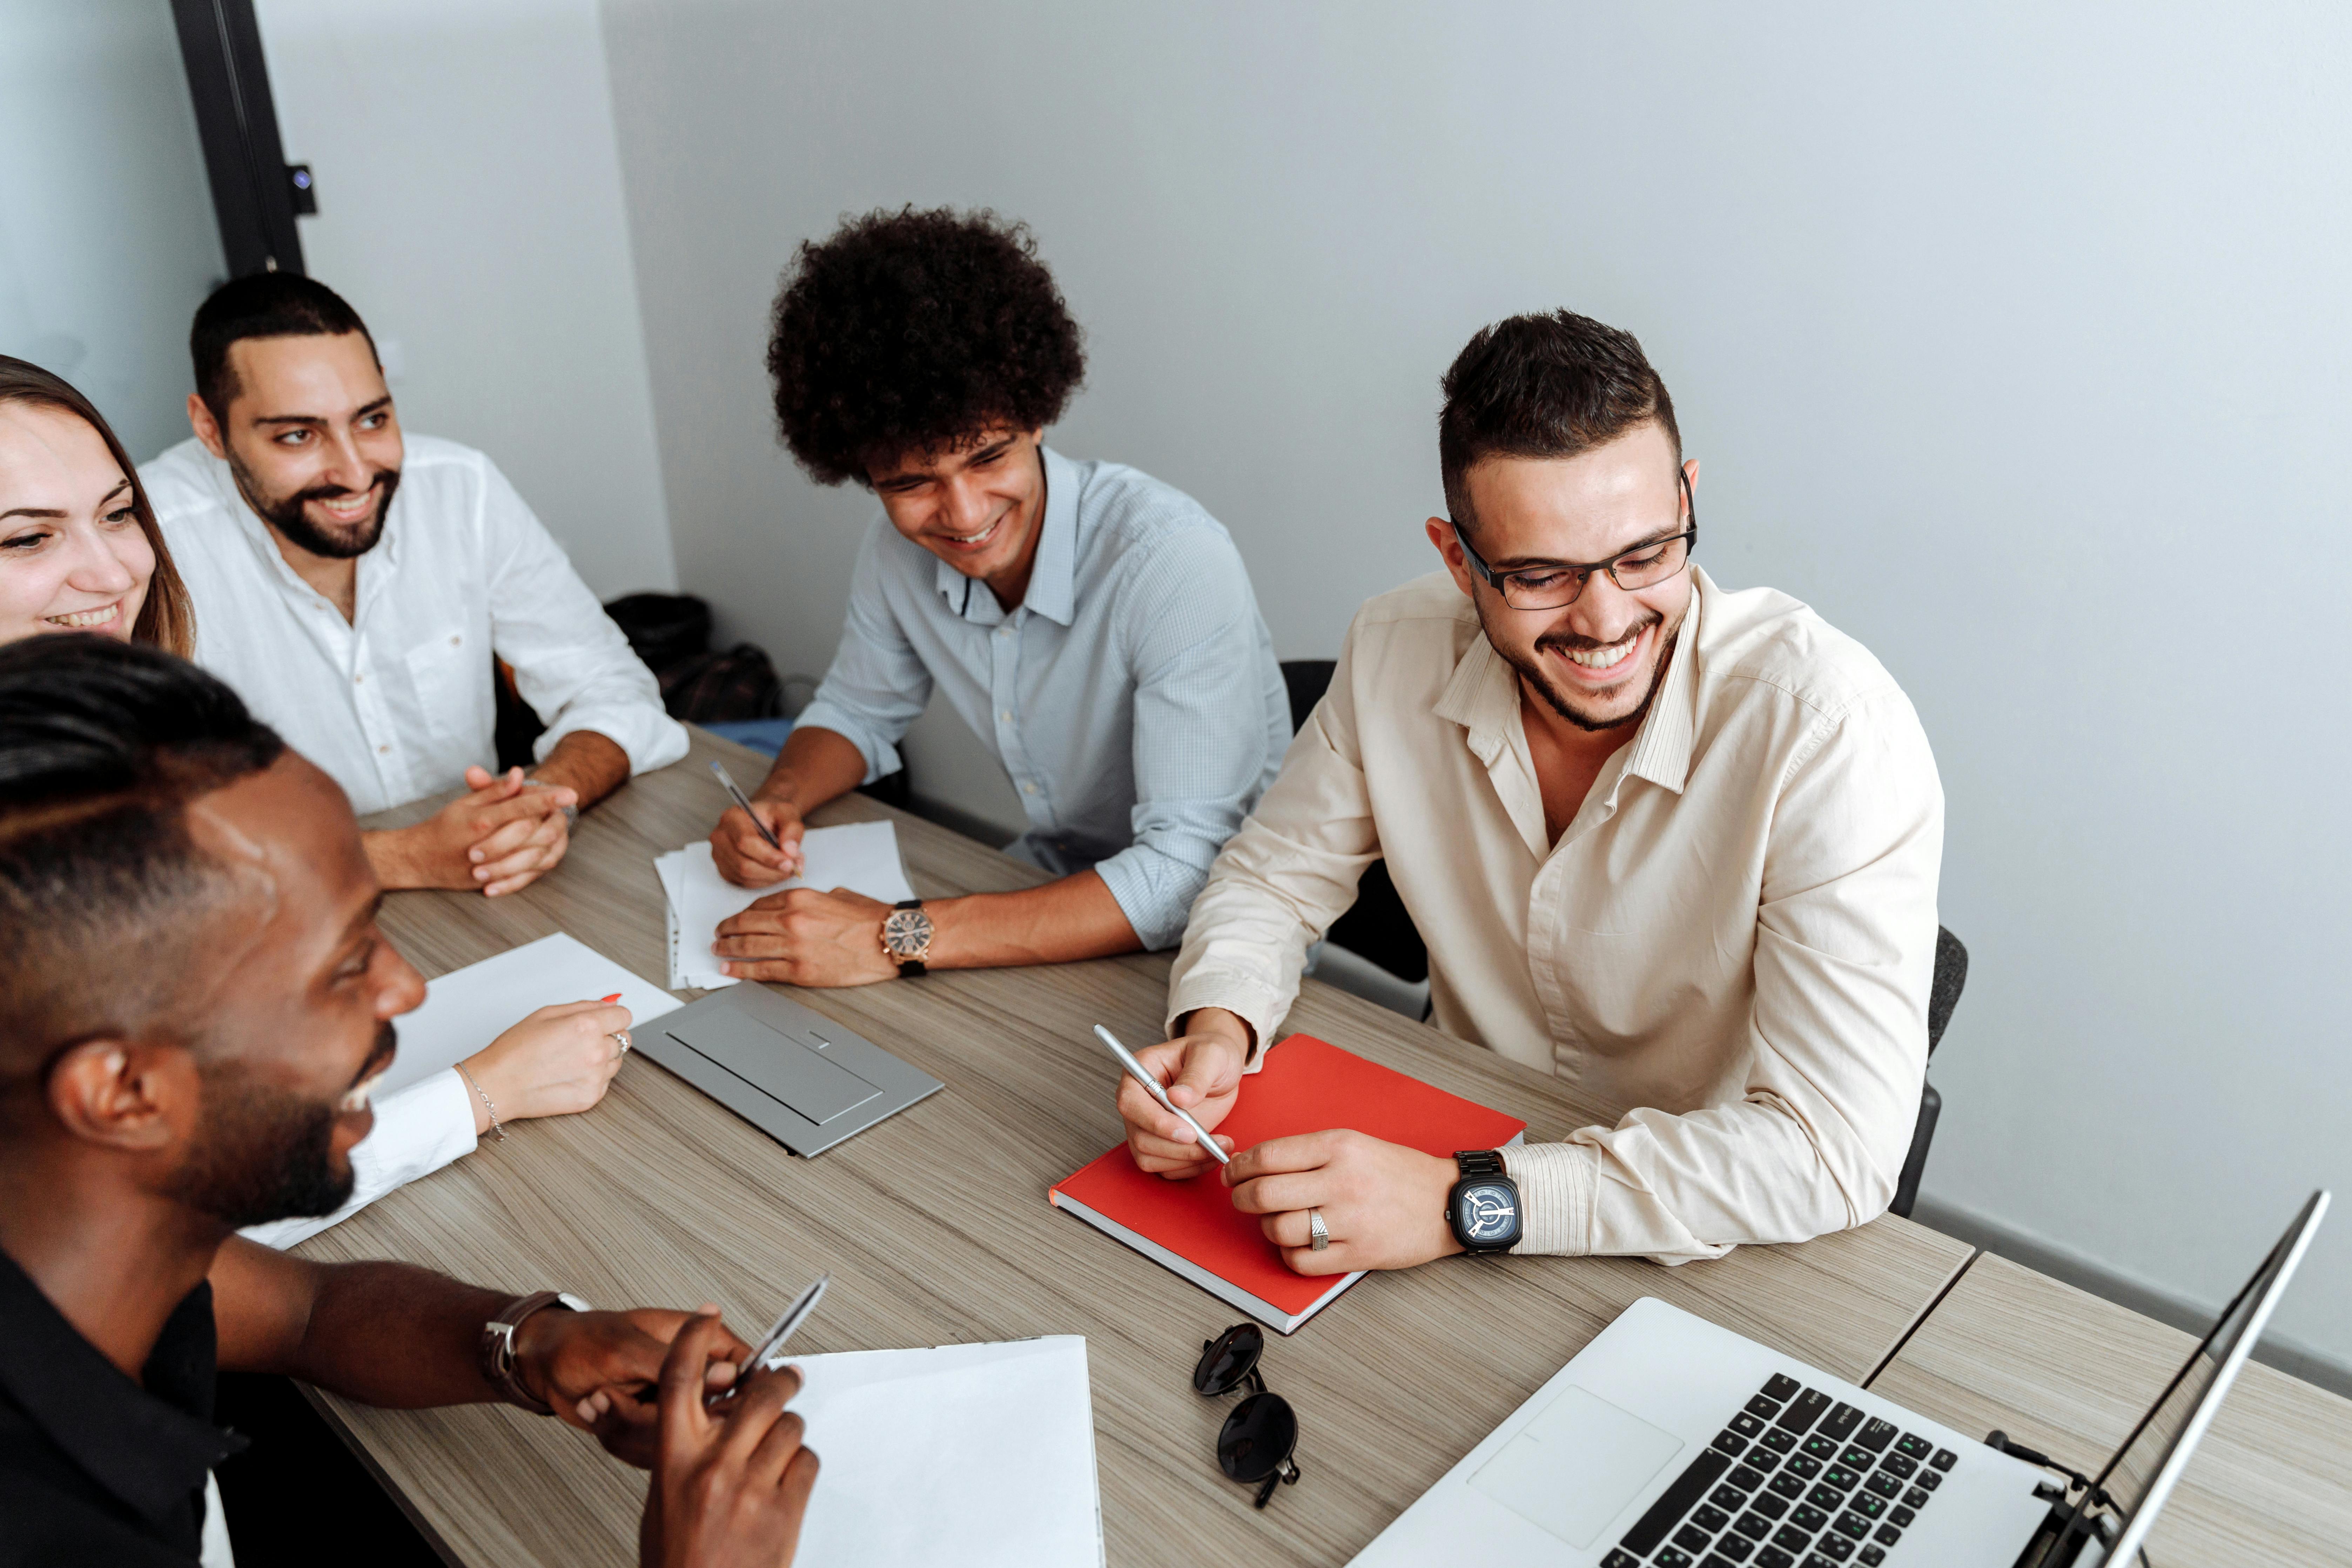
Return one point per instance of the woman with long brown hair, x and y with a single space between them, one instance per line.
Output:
80 550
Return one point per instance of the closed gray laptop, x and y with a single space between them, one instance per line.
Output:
789 1070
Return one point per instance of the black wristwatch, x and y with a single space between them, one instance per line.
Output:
1483 1208
907 937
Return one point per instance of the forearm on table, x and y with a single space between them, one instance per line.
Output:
388 1334
395 856
1064 920
592 765
816 765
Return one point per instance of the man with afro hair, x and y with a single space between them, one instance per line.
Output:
1095 626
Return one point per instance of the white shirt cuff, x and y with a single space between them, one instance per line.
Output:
1555 1198
417 1131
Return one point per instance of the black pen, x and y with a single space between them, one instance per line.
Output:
793 1316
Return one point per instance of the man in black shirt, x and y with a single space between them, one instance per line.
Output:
197 1002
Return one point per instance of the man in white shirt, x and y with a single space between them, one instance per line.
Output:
353 586
1677 845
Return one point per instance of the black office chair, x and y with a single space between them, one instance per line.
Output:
1943 995
1376 927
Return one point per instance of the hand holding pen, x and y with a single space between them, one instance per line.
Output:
1172 1098
758 843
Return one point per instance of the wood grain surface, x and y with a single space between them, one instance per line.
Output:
936 1229
2068 1374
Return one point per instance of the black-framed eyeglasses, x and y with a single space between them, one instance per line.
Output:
1255 1446
1555 585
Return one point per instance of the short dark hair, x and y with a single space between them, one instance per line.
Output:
265 305
1543 386
103 746
913 330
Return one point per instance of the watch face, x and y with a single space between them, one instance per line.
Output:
1489 1212
907 932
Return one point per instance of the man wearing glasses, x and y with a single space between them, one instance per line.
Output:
1676 844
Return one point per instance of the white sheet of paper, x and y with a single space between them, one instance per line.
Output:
861 856
467 1008
976 1455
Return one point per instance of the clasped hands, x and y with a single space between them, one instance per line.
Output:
1383 1203
503 835
800 936
731 1483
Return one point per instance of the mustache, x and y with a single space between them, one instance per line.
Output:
387 1046
1570 642
337 492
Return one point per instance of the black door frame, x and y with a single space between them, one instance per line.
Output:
254 192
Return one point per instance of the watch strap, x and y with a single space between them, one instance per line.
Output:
498 1352
1480 1162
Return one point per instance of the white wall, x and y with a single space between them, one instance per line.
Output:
107 238
469 207
2011 337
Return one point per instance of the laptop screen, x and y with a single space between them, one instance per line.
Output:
2133 1467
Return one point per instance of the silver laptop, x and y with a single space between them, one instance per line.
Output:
1671 1443
789 1070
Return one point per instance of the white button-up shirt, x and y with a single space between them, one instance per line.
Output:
1730 946
396 703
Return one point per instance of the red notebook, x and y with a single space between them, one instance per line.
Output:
1306 1086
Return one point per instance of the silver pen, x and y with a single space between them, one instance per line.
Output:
727 782
767 1355
1152 1086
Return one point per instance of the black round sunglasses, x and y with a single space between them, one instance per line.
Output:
1255 1446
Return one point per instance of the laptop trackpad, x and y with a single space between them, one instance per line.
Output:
1576 1466
776 1065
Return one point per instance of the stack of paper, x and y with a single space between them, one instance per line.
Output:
862 857
972 1454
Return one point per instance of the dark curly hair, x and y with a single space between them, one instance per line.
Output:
911 331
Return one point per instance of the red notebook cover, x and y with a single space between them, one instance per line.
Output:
1306 1086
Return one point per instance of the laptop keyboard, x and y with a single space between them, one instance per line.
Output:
1796 1480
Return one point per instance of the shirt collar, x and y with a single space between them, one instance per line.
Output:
1483 697
149 1446
1053 575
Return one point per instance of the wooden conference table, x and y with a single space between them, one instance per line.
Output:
936 1229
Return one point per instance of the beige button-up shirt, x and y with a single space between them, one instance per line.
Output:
1730 946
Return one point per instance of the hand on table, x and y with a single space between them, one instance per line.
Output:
730 1487
802 937
557 1061
1202 1071
748 860
503 835
601 1370
1384 1203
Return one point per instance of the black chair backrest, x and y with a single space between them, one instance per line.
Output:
1944 990
1309 679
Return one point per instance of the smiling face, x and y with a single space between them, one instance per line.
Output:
300 1024
1595 662
72 554
312 437
978 506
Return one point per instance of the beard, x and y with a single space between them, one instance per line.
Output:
264 1154
290 515
1540 680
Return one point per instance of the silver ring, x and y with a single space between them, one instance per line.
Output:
1319 1234
622 1036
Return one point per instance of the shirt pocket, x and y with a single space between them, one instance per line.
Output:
449 673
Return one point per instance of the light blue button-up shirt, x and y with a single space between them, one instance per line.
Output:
1132 696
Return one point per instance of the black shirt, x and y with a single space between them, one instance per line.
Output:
95 1468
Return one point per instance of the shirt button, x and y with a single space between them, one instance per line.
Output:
381 749
1028 789
1006 716
455 641
359 679
1004 631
